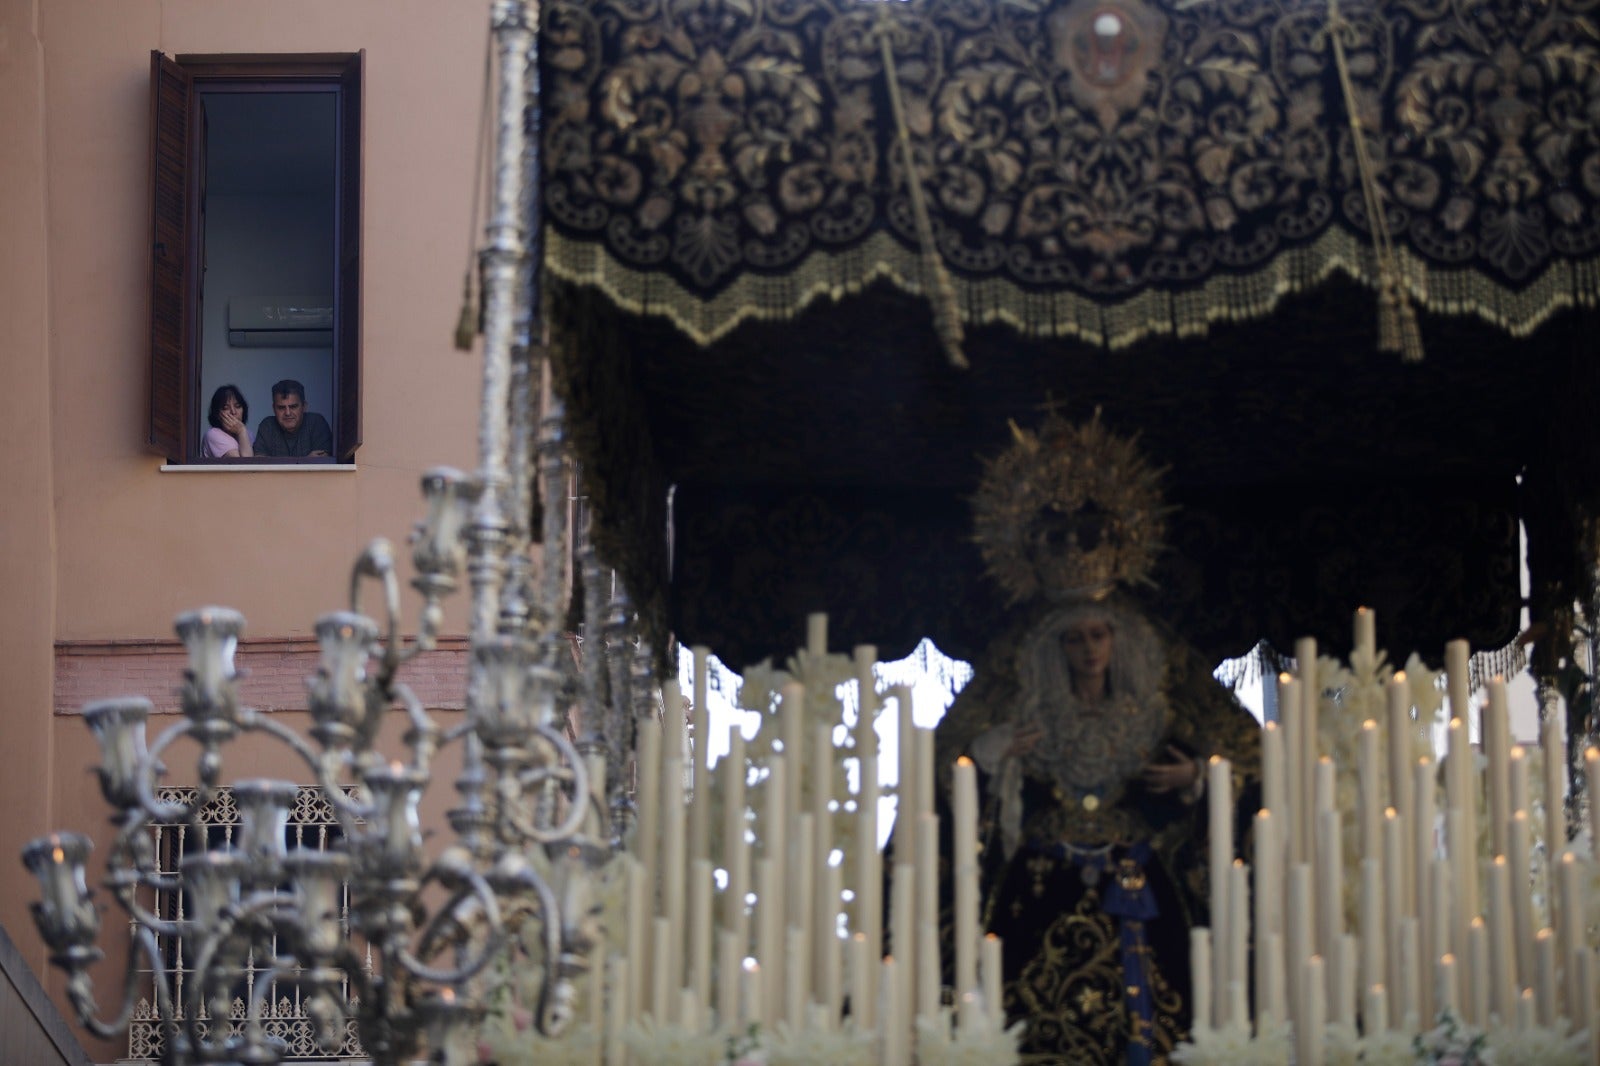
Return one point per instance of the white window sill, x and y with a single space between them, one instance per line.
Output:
257 468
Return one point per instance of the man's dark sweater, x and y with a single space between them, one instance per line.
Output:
313 435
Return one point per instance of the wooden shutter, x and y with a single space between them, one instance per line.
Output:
347 324
172 404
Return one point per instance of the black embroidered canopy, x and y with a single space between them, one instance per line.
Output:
1204 216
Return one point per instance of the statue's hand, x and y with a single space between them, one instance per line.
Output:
1174 771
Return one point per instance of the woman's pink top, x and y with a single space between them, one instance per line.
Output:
220 442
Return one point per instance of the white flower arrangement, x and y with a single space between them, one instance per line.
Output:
673 1045
970 1045
811 1044
1449 1043
1233 1045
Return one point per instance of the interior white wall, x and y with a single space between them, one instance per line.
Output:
274 247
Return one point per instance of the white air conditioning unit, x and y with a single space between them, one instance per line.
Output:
279 324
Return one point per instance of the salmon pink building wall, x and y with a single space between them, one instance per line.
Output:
100 547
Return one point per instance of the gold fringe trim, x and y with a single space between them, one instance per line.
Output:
1110 324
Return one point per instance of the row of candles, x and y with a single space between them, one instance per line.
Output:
700 962
1438 928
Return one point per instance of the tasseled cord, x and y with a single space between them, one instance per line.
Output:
1398 330
940 288
469 322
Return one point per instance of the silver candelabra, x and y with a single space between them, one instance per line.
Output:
417 938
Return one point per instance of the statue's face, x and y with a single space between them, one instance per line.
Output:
1087 645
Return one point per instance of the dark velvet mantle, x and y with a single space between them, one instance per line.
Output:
826 463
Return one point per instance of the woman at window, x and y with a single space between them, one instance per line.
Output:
229 435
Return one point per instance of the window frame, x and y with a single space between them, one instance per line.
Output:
177 176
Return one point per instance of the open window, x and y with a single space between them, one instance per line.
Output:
255 241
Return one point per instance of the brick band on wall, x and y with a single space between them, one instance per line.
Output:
274 672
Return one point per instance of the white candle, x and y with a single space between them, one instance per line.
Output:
617 1014
905 805
1545 987
1365 649
929 981
728 977
1201 970
736 848
1497 742
1375 1016
991 971
1527 1017
700 929
700 812
821 767
1424 851
1309 1034
869 867
1400 747
1374 929
769 939
1369 770
752 997
1591 779
1305 654
1267 898
794 982
792 710
1441 914
1570 930
925 775
662 984
689 1011
867 694
1296 834
1553 737
1410 999
1330 881
860 1002
1518 774
817 633
903 919
774 833
674 872
1478 973
1238 942
1343 993
1396 901
802 904
832 947
647 842
1301 940
1219 798
1447 986
1274 786
965 795
1522 922
889 1024
1277 1008
1463 868
1503 974
636 931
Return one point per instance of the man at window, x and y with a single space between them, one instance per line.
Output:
291 430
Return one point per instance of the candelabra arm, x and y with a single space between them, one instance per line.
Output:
348 811
579 778
81 991
154 809
473 885
377 562
123 893
424 735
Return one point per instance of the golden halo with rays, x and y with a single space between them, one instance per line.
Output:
1069 512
